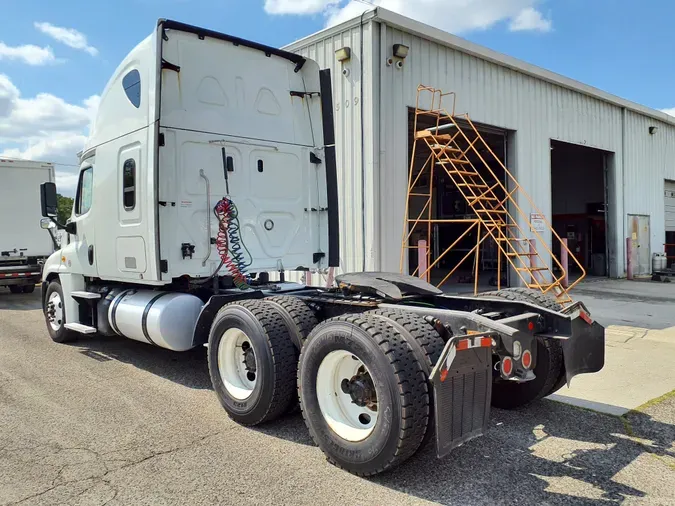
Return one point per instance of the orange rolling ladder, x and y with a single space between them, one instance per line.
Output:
459 151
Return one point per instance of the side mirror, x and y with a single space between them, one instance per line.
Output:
48 200
46 224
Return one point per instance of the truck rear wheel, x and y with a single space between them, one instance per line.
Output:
549 366
252 362
28 288
363 393
425 343
16 288
55 314
298 317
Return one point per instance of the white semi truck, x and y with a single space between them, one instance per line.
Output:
211 164
24 246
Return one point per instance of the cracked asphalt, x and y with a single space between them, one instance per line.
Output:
112 421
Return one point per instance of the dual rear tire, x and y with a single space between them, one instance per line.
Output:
362 380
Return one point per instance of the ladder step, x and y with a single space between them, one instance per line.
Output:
456 161
531 269
472 185
426 134
85 295
463 173
78 327
496 211
519 254
444 149
477 199
540 285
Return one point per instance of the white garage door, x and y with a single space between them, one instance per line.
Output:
670 205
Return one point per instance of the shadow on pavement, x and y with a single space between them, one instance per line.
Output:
188 368
20 301
549 453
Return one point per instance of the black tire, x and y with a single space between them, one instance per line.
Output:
16 288
549 367
28 288
401 388
60 334
276 361
425 343
298 317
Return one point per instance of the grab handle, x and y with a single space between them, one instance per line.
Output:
208 216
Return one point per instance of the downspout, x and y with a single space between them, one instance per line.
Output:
363 150
623 215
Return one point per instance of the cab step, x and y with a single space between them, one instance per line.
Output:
82 329
85 295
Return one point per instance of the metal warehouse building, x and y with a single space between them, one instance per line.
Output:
601 169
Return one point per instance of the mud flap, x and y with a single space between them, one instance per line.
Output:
584 352
462 395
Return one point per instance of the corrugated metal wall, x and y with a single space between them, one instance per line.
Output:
650 160
536 110
533 110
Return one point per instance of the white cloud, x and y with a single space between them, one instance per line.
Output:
298 6
29 53
456 16
45 128
68 36
670 111
530 19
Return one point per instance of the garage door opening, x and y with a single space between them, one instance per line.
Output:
579 177
448 204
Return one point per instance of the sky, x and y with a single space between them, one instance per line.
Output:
56 57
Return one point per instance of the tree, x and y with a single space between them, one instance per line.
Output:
64 207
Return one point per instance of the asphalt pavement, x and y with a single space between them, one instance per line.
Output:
112 421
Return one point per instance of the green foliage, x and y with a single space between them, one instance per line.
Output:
64 208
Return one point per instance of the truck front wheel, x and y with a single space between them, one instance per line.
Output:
55 314
252 362
363 394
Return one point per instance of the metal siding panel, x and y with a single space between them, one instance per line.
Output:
494 95
650 160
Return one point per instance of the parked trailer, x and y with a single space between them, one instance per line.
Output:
212 163
24 246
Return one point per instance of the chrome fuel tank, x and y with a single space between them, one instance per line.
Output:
165 319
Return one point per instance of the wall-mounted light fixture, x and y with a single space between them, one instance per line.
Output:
401 51
343 54
653 130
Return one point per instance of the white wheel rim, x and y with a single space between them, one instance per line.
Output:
55 311
239 381
347 419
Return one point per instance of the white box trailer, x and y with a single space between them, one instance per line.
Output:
24 245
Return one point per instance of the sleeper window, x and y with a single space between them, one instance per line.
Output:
132 87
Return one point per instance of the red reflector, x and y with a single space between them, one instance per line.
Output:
486 342
530 326
464 344
507 366
585 317
444 374
527 359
